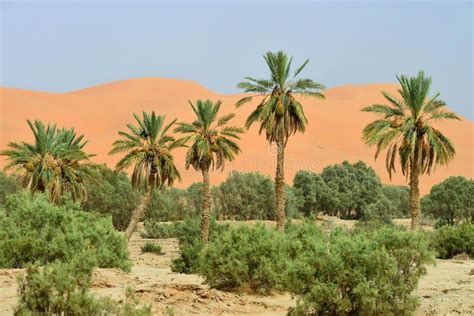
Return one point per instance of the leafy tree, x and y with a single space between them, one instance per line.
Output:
354 187
148 148
399 198
111 193
451 201
54 163
312 193
247 196
406 127
168 204
212 143
8 185
279 113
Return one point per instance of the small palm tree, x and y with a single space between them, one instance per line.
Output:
148 148
279 112
212 143
54 163
406 128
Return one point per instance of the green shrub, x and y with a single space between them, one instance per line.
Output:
157 230
451 201
399 199
63 289
111 193
151 247
168 204
190 244
8 185
33 230
368 272
449 241
243 258
381 211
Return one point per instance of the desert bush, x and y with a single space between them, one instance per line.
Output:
243 258
33 230
8 185
190 244
157 230
399 199
111 193
449 241
312 193
151 247
451 201
63 289
169 204
382 210
371 272
247 196
353 187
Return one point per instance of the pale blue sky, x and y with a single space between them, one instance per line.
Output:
61 46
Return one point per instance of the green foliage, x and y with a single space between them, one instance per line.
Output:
399 199
312 193
190 243
382 210
156 230
243 257
8 185
451 201
384 268
168 204
247 196
279 112
405 127
151 247
212 140
111 193
353 186
63 289
148 147
55 163
450 241
33 230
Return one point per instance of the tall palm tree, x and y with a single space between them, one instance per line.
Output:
148 148
279 113
406 128
54 163
212 143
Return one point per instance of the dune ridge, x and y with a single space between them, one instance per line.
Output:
333 134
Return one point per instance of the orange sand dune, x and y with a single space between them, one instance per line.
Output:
333 134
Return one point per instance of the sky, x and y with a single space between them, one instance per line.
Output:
59 46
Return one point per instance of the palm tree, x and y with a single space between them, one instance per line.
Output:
279 112
54 163
406 128
212 143
148 148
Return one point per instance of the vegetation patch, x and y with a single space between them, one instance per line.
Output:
151 247
32 230
451 241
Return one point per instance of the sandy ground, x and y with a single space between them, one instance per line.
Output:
447 289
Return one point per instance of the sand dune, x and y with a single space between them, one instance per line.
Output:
333 135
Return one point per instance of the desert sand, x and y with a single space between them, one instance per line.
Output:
333 134
447 289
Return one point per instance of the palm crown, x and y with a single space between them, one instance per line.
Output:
406 127
55 162
279 112
149 148
212 142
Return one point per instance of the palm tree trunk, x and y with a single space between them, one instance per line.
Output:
280 186
138 212
206 206
414 197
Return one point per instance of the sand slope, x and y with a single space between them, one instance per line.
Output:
333 135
